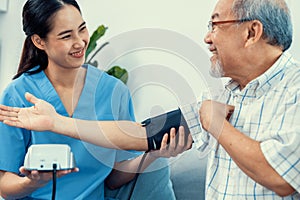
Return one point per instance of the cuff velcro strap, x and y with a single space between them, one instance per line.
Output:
158 126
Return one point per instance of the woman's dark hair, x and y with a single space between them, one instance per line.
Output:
37 19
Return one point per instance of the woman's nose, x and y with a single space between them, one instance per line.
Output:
79 42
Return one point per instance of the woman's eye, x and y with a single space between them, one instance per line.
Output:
82 29
66 37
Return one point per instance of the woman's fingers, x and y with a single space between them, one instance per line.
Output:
32 99
190 142
172 144
9 111
164 142
8 114
13 122
181 139
177 145
45 176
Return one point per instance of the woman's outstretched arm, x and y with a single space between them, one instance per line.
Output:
43 117
110 134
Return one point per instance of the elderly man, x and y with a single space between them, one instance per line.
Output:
256 120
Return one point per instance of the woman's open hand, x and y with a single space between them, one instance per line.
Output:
41 178
178 144
39 117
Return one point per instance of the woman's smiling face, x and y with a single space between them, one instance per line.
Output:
67 42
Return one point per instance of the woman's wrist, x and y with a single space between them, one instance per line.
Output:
59 123
154 154
30 185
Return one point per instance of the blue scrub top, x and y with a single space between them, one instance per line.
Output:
103 98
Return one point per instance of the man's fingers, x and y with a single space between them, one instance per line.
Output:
230 110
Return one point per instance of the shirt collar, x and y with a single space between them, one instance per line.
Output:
257 87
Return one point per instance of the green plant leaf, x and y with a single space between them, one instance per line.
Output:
119 73
97 34
115 71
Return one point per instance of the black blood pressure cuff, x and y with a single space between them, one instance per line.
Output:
159 125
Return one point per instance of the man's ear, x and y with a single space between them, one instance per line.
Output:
255 32
37 41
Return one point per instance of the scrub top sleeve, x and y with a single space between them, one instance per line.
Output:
13 141
126 113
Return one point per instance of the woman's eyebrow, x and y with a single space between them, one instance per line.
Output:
81 25
68 31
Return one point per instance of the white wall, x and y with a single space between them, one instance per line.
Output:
294 7
11 41
184 23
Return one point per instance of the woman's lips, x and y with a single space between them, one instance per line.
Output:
78 54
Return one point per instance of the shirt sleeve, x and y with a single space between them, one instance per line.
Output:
201 138
283 149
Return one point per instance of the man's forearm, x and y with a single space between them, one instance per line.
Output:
248 155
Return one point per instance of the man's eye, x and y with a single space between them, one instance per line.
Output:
213 27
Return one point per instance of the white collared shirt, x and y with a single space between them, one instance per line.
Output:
266 110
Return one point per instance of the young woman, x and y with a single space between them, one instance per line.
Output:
52 69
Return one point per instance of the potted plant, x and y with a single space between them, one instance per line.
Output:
115 71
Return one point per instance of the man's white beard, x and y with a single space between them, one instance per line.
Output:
216 70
